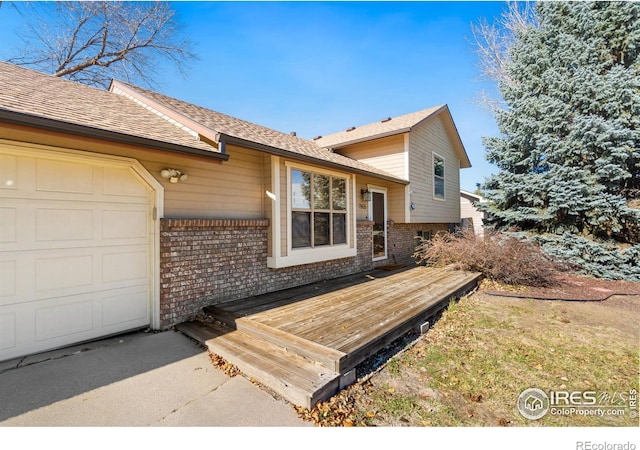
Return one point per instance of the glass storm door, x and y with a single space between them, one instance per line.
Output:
379 217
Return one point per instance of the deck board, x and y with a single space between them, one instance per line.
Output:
332 325
346 314
356 312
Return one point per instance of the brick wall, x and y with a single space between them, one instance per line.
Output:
401 238
208 261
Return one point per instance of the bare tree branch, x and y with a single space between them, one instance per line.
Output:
92 42
493 41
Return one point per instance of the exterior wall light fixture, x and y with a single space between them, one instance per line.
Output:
173 175
366 195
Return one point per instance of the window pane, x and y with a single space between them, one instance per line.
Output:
339 193
321 192
301 229
321 229
439 187
438 167
300 190
339 228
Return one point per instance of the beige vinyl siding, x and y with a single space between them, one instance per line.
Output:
385 154
425 140
395 198
467 210
232 190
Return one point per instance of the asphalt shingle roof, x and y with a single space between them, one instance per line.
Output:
385 127
44 96
232 126
36 94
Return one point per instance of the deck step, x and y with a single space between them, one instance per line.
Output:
330 358
297 379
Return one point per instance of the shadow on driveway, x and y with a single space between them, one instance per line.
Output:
47 378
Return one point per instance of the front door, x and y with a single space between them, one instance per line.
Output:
379 217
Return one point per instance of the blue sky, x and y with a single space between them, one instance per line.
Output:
317 68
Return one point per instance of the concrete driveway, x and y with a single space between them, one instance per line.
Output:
138 379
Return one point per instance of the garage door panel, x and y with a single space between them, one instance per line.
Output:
64 224
76 250
63 319
8 172
125 224
124 266
122 182
63 176
8 224
64 272
7 331
8 280
130 306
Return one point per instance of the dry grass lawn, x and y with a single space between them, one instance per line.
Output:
469 369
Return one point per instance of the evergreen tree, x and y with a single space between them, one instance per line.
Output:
569 154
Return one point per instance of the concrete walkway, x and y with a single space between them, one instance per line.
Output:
138 379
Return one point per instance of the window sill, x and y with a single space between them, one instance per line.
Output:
299 257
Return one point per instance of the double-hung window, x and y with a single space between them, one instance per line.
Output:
318 209
438 177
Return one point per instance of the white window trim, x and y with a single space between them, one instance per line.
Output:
380 190
299 256
434 155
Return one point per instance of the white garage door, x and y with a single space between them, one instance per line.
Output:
75 250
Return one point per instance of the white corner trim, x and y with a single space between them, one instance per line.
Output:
276 229
354 214
406 156
407 203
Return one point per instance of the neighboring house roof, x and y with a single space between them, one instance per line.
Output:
396 125
470 196
32 98
231 130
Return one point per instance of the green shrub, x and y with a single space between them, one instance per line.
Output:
590 257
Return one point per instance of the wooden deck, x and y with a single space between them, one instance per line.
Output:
301 341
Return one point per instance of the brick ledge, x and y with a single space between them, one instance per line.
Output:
209 223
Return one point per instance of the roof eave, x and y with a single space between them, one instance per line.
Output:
368 138
233 140
18 118
465 162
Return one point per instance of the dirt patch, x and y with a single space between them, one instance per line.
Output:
568 287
